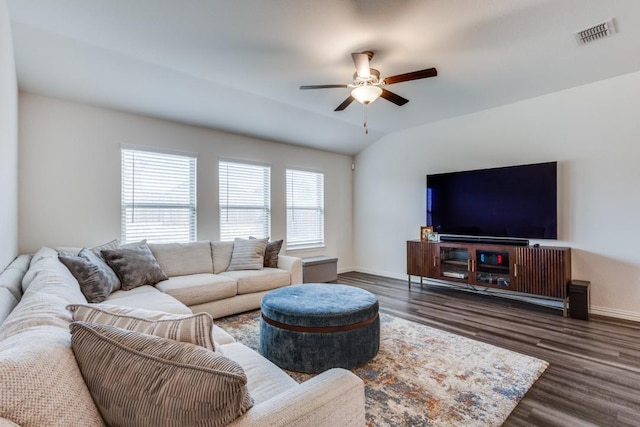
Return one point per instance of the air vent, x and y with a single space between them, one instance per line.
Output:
596 32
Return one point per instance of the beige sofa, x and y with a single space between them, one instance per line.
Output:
42 385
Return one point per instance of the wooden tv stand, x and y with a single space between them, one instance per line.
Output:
539 271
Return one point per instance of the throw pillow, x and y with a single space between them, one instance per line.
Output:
96 279
271 253
134 266
195 329
138 379
248 254
40 382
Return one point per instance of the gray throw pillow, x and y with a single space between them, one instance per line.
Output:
271 253
248 254
96 279
137 379
134 266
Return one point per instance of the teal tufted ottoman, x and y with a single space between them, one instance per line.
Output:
314 327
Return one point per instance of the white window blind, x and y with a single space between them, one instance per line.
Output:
158 197
245 200
305 208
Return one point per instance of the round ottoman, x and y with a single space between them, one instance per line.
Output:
314 327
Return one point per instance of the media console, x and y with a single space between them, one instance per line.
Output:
540 271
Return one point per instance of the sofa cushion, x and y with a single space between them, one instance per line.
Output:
179 259
7 303
41 383
250 281
221 253
199 288
96 279
271 253
34 310
11 277
248 254
134 266
149 298
195 329
138 379
264 379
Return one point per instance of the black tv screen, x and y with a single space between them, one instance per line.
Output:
515 202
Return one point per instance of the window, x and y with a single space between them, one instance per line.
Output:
158 197
245 200
305 209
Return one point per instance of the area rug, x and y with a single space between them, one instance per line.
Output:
427 377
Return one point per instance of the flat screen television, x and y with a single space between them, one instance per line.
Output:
510 202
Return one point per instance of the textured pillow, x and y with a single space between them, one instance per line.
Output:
271 253
248 254
96 279
40 382
137 379
134 266
195 329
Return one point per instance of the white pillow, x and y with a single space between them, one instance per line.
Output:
248 254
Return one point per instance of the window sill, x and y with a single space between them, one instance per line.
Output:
304 248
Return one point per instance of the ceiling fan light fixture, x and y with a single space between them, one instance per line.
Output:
366 94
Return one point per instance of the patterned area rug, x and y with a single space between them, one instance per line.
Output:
427 377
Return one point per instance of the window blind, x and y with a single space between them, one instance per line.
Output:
305 209
158 197
245 200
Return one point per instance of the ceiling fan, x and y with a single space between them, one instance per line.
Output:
367 85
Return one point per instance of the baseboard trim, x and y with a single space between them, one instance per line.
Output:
380 273
615 313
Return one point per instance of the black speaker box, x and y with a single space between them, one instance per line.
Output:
579 299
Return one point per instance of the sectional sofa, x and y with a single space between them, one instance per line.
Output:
42 383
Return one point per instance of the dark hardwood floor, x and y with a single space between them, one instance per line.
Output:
594 372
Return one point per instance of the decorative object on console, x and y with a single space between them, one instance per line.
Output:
425 232
123 369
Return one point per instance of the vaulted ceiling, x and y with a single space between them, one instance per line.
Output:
237 65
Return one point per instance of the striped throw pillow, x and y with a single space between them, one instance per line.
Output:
248 254
195 329
138 379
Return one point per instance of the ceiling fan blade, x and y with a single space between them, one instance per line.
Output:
396 99
345 103
323 86
414 75
361 61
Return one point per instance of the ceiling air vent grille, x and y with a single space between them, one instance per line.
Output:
596 32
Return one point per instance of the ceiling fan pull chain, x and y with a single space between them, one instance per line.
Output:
366 129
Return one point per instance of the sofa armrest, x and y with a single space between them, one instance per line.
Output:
293 265
333 398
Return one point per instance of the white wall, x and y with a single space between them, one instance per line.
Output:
8 144
70 174
593 132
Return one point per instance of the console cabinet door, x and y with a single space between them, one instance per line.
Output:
542 271
421 259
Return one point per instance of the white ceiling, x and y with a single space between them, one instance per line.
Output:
237 65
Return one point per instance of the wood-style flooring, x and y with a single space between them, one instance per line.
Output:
594 372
